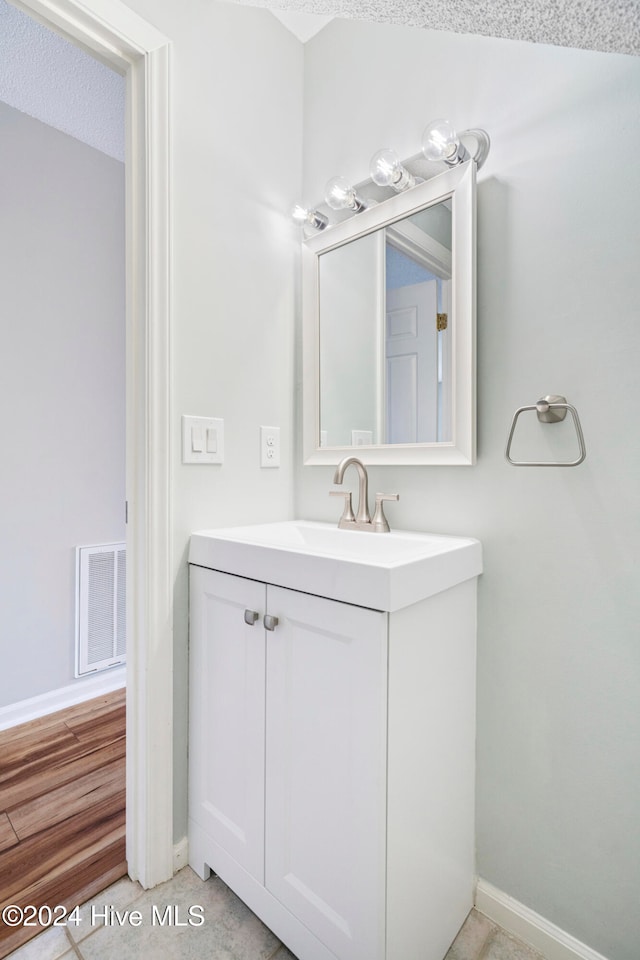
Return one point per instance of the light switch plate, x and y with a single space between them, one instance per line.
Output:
202 440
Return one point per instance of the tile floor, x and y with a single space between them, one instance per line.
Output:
229 932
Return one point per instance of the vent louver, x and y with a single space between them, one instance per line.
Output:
101 633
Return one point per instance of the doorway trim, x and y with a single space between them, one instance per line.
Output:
117 36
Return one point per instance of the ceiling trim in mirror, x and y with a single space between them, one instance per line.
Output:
459 184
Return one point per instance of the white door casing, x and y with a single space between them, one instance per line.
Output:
116 35
445 375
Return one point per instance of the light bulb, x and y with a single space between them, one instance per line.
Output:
340 195
387 171
313 218
299 214
440 142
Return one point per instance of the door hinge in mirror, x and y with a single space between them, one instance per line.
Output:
442 321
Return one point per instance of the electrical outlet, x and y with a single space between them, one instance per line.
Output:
269 446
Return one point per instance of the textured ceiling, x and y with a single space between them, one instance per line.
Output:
50 79
46 77
611 26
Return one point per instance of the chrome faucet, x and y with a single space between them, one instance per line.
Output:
362 520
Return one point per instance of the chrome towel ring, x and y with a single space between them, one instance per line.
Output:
552 409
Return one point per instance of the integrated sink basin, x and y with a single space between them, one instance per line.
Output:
384 571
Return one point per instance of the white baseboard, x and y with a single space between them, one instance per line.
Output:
180 854
85 688
552 942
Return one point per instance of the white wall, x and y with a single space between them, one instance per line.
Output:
236 85
558 309
61 388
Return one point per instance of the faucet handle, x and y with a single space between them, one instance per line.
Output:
379 522
347 513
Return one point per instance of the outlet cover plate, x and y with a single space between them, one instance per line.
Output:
269 446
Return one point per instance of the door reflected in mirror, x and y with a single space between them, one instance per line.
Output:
385 328
389 329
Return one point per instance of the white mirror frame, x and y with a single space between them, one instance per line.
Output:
459 183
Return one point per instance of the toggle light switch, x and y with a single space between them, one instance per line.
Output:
196 439
202 440
212 440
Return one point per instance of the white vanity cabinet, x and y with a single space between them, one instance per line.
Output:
331 761
288 751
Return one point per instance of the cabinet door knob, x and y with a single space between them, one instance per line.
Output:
270 623
250 617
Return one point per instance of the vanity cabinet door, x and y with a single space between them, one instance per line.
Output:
227 704
326 769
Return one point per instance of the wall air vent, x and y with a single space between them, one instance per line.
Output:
101 630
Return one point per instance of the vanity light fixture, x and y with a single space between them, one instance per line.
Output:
340 195
441 142
305 216
387 171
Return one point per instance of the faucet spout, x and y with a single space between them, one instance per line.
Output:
362 515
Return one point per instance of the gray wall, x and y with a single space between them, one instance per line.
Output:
558 309
62 368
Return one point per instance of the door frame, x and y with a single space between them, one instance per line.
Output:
117 36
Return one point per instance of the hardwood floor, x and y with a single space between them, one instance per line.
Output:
62 809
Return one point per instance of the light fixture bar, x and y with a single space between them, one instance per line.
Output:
440 143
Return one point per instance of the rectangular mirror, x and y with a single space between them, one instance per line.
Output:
389 329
